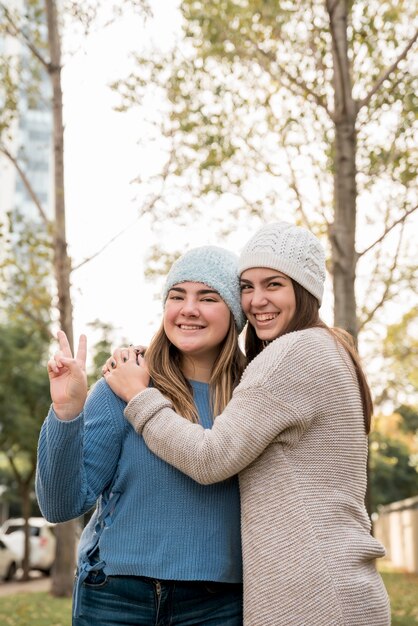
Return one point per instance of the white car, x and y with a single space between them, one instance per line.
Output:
9 561
41 537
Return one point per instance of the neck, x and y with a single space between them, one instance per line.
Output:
197 368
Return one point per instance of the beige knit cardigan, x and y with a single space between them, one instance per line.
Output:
294 431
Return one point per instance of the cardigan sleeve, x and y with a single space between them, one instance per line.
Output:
77 459
251 421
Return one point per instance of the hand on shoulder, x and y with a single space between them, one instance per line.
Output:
126 373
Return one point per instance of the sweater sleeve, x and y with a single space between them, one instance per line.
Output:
77 459
251 421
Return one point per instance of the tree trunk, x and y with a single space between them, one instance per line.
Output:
26 509
63 570
343 231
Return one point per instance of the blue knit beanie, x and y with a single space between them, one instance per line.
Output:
215 267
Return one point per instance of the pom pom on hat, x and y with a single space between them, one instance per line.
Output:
290 249
215 267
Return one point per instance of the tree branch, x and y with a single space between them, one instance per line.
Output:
294 80
361 103
388 285
150 205
295 187
95 254
401 220
18 32
27 184
342 76
40 323
318 175
147 208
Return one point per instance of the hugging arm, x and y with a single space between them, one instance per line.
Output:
250 422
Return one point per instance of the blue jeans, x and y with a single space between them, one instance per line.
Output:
141 601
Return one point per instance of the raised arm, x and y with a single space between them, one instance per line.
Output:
77 459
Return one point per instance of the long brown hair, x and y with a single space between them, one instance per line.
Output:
164 365
307 316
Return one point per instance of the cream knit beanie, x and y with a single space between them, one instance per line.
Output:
290 249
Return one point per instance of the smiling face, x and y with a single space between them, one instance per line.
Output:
268 300
196 320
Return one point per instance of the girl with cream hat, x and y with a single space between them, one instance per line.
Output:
295 431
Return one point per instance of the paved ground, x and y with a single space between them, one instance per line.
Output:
37 583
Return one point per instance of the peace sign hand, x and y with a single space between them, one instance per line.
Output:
67 378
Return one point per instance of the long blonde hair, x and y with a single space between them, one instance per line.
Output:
307 316
164 365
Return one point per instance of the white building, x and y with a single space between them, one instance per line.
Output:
30 140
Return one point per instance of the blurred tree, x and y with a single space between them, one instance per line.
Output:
25 269
394 444
409 416
37 25
101 350
25 339
394 457
9 491
400 350
25 304
304 106
24 402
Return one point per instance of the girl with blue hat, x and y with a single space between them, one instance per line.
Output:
159 548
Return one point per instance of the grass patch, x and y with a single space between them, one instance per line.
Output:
35 609
41 609
402 589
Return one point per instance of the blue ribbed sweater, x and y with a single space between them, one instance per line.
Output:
150 520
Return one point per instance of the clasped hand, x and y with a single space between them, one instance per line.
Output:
126 373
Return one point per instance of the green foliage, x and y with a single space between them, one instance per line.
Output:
26 274
8 95
409 416
394 456
25 319
101 350
24 388
158 262
400 350
9 486
392 475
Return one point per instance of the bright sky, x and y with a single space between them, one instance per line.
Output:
101 158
